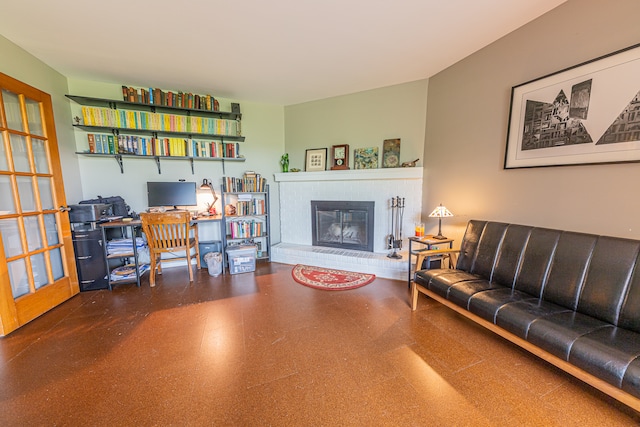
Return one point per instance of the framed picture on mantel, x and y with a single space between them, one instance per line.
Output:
315 160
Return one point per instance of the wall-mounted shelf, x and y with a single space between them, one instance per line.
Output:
119 159
99 118
155 133
111 103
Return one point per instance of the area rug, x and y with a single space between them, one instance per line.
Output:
329 279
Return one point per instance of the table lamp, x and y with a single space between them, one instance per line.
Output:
206 185
440 212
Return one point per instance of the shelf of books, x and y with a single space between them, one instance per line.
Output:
246 213
176 126
179 102
250 182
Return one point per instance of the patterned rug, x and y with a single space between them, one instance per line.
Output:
329 279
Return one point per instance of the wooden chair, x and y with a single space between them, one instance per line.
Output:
169 232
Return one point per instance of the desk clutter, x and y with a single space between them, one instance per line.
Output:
113 244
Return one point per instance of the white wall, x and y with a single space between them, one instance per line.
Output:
468 109
262 126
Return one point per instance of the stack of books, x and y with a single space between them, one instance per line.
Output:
178 99
250 182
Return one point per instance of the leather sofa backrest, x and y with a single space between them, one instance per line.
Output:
488 247
569 268
510 254
608 277
537 260
469 244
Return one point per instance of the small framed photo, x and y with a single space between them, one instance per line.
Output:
315 160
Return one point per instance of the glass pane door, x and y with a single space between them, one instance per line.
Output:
35 235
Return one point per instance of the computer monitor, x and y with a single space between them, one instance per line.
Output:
172 194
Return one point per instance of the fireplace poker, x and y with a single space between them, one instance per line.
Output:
395 238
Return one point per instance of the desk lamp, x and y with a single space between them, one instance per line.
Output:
440 212
206 185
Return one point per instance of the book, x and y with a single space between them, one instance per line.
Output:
104 145
91 138
111 144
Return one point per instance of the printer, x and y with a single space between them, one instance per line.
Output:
90 212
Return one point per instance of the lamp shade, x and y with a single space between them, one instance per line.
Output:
440 212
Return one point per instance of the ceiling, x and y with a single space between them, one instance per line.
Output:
270 51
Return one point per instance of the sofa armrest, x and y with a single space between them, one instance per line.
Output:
452 254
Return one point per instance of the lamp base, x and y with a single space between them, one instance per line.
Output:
439 237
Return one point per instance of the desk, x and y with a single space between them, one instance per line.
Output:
430 244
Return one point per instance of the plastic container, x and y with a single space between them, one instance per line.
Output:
214 263
242 259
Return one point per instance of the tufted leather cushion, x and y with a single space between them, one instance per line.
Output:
569 268
606 353
517 316
461 293
608 276
486 304
469 244
510 254
631 379
557 333
630 312
488 249
536 261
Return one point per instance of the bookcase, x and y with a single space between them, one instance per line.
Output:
245 217
122 129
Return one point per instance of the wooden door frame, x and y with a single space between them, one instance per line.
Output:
16 312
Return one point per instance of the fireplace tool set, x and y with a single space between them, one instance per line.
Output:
394 240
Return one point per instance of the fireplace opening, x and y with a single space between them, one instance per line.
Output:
343 224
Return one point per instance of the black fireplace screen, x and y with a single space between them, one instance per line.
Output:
340 224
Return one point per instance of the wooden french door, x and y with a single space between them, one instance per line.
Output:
37 270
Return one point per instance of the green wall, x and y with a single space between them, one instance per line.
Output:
23 66
363 119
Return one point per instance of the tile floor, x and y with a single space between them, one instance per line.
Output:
258 349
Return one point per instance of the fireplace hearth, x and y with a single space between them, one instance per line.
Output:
343 224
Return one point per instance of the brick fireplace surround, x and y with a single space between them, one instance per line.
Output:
297 189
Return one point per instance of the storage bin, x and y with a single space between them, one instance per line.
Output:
242 259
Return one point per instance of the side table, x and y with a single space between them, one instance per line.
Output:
427 243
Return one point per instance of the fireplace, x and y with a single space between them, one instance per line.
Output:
343 224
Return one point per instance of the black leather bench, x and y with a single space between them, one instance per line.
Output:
571 298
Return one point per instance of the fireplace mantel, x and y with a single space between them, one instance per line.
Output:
351 175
